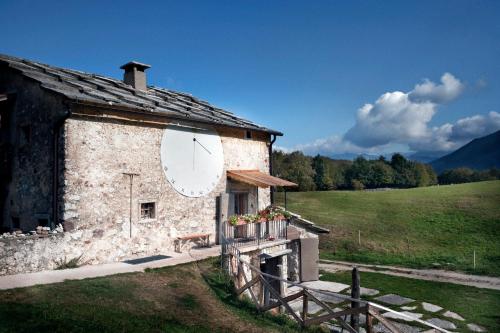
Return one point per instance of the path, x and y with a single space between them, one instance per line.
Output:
91 271
479 281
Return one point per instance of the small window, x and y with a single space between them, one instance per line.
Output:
248 135
16 224
241 203
148 210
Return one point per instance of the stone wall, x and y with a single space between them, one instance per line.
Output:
34 114
96 196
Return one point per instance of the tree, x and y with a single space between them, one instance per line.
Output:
405 174
322 178
296 168
360 170
381 174
457 176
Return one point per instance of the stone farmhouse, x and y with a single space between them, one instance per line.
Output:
105 170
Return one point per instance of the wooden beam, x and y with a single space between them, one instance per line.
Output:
247 285
285 304
286 299
305 308
389 325
333 315
256 301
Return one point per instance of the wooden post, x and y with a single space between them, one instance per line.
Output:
355 293
474 259
305 305
369 320
284 188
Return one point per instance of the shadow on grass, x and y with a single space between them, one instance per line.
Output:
46 317
223 287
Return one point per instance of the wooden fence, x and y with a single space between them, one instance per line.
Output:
357 307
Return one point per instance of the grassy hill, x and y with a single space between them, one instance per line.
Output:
437 226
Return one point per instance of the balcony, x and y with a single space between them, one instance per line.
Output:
255 233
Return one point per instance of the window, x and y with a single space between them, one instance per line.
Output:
248 135
241 203
148 210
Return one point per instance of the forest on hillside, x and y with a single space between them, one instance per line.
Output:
321 173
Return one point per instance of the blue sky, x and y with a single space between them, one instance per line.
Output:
301 67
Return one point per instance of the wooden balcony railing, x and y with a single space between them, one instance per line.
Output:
255 233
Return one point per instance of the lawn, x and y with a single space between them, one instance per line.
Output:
438 226
186 298
479 306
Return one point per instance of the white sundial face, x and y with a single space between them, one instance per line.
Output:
192 159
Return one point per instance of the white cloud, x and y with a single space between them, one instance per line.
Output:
398 119
449 137
402 117
449 89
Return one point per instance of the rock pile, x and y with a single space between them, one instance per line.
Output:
39 232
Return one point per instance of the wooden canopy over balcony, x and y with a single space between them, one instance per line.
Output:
258 178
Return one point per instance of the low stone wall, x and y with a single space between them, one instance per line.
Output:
25 253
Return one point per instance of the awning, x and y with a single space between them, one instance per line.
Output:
257 178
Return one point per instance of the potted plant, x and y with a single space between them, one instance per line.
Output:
236 220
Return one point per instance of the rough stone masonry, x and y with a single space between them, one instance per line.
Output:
69 140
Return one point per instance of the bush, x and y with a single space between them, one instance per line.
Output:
357 185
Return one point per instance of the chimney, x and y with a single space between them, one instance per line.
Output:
134 75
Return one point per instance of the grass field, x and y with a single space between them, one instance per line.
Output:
439 226
188 298
479 306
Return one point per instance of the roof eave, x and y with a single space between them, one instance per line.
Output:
162 114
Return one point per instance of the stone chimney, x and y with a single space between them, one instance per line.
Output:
134 75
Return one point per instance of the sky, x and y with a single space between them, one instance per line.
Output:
334 76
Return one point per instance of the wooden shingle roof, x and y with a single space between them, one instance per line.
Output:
97 89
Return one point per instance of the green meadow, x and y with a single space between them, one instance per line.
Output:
427 227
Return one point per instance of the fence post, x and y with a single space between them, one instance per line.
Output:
355 293
369 320
474 259
305 305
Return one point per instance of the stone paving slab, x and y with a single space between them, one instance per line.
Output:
475 328
408 308
431 307
392 315
365 291
404 328
312 307
326 285
453 315
394 299
447 325
327 298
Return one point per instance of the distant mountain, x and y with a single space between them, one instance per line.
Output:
481 153
426 156
352 156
